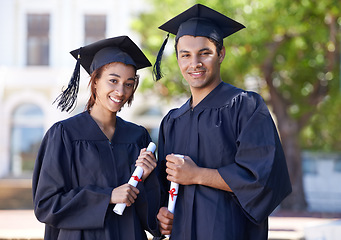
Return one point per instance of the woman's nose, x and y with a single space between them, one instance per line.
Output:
119 90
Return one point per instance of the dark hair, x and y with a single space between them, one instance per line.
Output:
219 46
94 77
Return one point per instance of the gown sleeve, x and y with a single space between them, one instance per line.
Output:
56 201
258 175
148 200
161 167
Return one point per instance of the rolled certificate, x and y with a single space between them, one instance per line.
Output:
173 193
134 180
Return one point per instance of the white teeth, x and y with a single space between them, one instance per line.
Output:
115 100
196 73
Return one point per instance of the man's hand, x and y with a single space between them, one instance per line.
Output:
181 170
185 172
165 218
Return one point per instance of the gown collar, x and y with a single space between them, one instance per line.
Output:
95 132
217 98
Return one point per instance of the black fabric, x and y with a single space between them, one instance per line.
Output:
197 21
203 21
109 55
95 55
230 130
122 44
76 170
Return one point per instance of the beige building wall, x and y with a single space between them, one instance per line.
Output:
40 85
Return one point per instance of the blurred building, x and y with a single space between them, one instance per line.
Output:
36 37
321 178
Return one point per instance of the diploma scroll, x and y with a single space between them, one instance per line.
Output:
134 180
173 193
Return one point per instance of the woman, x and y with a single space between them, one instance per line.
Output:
85 162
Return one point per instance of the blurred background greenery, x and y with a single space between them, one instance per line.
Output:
289 53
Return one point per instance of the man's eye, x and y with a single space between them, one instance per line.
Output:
205 53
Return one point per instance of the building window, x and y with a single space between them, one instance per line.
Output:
95 28
38 28
26 135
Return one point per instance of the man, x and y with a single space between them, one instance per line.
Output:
234 173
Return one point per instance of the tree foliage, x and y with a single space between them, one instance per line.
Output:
289 53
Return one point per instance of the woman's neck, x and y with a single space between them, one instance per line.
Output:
106 121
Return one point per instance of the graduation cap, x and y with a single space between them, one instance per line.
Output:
198 20
93 56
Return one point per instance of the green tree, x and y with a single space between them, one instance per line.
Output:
289 52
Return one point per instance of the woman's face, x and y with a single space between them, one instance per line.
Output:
115 86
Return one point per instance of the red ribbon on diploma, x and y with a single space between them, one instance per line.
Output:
136 178
172 193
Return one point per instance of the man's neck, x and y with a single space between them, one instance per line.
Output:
198 94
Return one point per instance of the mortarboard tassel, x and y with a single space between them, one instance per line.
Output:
68 97
157 66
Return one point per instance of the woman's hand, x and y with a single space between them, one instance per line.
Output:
147 161
124 194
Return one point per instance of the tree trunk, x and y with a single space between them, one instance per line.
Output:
289 131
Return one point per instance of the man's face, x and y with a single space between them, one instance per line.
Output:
199 62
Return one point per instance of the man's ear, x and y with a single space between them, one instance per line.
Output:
222 54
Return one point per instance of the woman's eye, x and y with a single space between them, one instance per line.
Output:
113 80
129 85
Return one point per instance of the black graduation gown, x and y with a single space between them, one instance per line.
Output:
75 172
230 130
